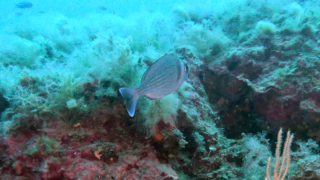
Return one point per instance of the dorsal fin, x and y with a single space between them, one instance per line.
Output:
145 73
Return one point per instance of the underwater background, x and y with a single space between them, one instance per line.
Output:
253 72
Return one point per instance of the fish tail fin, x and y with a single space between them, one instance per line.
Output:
131 96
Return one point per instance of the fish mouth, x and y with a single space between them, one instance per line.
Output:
186 69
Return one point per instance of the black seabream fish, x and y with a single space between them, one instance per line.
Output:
163 77
24 5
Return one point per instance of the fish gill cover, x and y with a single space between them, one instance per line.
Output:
253 69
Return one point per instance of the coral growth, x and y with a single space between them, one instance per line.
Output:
254 67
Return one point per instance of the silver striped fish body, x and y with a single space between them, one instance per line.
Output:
163 77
